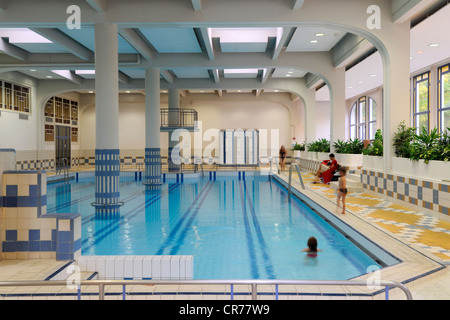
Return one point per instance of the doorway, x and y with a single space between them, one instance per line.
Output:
63 148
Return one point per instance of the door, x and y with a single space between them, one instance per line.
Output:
63 147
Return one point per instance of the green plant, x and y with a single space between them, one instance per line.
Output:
298 147
402 140
375 148
427 146
354 146
444 145
321 145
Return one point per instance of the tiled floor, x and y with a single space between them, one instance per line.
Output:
415 237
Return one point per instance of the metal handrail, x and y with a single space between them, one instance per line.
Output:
290 177
253 283
63 168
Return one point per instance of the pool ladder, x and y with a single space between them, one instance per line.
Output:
63 167
294 165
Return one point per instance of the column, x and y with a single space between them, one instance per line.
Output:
337 107
152 129
396 89
174 121
107 161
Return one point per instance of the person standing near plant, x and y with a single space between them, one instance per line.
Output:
342 190
282 158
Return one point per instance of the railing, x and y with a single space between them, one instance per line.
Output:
178 118
63 166
253 283
290 177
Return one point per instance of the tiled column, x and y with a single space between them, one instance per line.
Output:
152 178
107 161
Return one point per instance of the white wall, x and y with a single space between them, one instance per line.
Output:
16 133
323 120
231 111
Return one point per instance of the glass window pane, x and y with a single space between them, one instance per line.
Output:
372 130
445 119
362 132
422 96
353 132
353 115
421 122
446 90
372 110
362 112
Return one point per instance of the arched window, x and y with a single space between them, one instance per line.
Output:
363 119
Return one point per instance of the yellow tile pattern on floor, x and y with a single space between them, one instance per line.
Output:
418 228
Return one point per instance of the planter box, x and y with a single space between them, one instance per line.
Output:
350 160
296 154
434 170
373 163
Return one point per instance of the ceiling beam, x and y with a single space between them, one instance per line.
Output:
216 76
197 5
282 42
71 76
2 6
136 41
404 10
66 42
167 76
207 42
297 4
123 78
97 5
12 50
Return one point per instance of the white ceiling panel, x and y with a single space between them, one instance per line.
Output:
326 39
172 40
191 73
240 73
433 30
286 73
86 36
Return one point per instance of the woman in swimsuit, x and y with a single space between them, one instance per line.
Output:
312 248
282 158
342 190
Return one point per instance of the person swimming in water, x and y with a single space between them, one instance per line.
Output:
312 249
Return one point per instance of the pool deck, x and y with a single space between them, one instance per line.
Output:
419 240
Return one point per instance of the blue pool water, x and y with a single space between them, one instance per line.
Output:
235 228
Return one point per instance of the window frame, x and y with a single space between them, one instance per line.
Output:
356 124
440 108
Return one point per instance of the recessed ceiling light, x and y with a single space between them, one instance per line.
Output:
420 51
320 34
291 72
288 75
360 81
32 70
91 91
410 57
127 91
349 87
433 45
49 76
314 41
373 75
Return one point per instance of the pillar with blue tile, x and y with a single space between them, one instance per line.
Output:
152 177
107 161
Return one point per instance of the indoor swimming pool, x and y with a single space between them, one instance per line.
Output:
237 227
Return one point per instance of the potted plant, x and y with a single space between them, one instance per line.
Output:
297 148
373 154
